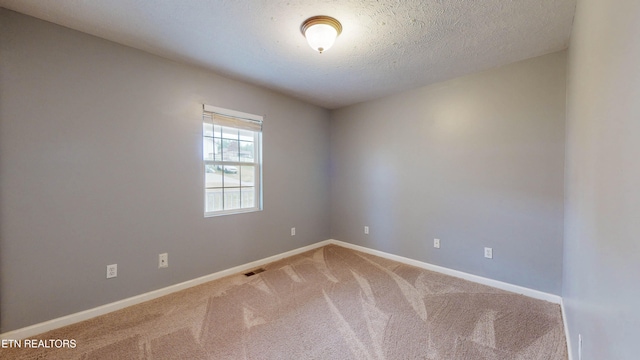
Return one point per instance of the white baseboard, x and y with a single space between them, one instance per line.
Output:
40 328
459 274
107 308
566 330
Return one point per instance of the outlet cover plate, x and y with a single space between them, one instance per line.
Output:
366 230
163 260
112 271
488 253
436 243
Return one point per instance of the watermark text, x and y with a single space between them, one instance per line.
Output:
38 343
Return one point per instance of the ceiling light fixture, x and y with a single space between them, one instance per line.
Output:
321 32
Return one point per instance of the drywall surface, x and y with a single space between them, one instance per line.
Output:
602 252
100 155
382 49
476 162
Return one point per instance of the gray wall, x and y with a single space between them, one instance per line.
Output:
602 248
477 161
100 155
100 164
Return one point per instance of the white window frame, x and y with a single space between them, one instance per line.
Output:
208 112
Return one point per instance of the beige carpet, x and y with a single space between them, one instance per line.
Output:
329 303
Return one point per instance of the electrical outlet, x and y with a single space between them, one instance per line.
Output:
163 260
293 231
436 243
112 271
488 253
366 230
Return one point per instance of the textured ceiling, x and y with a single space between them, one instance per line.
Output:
385 46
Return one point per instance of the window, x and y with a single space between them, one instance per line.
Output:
231 144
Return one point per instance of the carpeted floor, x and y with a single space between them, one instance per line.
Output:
329 303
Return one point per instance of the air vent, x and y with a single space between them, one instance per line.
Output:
256 271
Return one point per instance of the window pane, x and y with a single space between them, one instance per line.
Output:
213 176
217 131
246 151
247 175
213 200
229 150
231 175
217 149
231 198
246 135
207 129
207 148
229 133
248 197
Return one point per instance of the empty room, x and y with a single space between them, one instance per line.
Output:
319 179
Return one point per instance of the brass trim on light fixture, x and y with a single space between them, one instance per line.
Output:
321 19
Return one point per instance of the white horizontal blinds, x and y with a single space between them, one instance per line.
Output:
233 119
234 122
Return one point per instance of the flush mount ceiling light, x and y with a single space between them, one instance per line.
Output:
321 32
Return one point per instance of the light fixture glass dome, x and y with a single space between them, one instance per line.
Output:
321 37
321 32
